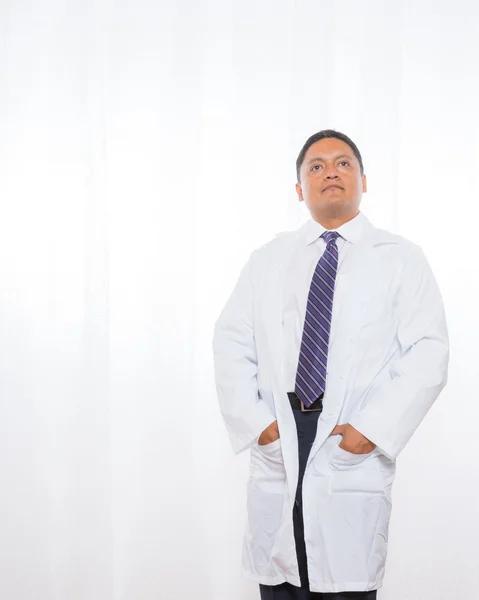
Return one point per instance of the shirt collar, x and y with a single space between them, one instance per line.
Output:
350 231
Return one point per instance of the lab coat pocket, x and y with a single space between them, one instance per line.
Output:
268 470
380 317
355 473
273 449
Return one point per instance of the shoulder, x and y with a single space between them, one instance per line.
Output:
400 246
272 253
279 244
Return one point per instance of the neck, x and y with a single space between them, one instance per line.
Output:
333 222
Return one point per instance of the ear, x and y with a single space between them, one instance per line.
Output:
365 184
299 191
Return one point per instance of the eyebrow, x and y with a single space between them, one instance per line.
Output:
311 160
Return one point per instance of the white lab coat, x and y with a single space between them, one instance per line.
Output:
387 364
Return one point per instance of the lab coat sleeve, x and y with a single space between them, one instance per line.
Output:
245 415
418 372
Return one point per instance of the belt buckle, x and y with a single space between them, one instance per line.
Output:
304 409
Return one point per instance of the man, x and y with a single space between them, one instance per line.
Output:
328 354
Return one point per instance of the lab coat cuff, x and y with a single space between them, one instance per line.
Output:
373 434
255 420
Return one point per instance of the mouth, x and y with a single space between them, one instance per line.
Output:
332 187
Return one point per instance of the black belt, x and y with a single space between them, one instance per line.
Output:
298 404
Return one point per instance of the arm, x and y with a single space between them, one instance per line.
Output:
393 412
246 416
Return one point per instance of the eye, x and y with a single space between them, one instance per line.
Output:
345 162
314 167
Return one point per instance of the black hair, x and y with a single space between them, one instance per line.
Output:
325 134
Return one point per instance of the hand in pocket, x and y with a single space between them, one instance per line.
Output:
353 441
269 435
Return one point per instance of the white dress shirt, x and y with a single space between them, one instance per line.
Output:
298 281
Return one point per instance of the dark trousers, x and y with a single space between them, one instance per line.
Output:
306 424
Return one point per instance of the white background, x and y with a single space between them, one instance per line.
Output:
145 149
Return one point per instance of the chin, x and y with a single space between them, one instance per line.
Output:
334 206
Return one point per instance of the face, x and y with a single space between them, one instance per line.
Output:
331 181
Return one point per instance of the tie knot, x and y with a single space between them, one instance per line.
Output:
330 236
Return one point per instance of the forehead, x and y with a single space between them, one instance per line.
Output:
328 148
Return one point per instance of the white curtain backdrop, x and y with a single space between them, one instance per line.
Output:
146 148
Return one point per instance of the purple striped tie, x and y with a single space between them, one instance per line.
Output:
313 354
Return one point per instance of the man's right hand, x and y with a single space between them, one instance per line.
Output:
269 435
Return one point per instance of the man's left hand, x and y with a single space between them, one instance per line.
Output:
353 441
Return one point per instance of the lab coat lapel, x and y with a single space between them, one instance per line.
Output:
358 284
273 322
273 298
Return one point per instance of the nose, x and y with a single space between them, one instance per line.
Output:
331 173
